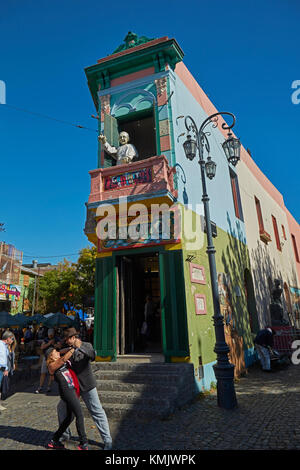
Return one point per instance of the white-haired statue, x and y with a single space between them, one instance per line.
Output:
125 153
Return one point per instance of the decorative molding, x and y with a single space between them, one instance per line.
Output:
147 96
161 85
90 224
164 127
105 104
138 83
132 40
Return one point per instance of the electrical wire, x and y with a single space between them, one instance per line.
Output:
52 256
49 117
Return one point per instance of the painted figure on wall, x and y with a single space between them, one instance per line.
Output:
224 287
234 341
123 154
276 309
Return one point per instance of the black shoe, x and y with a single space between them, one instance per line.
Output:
55 445
82 447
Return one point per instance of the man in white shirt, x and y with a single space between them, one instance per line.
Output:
7 340
125 153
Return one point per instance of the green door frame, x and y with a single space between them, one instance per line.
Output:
173 307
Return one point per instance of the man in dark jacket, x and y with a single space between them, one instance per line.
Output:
81 364
264 341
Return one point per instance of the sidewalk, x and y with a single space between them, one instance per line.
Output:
267 417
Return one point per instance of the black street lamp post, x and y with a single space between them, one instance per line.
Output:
224 370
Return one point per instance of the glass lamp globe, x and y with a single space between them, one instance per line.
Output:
232 148
210 168
190 148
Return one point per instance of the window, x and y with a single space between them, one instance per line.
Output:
278 244
295 248
142 134
259 215
236 195
141 128
283 232
264 236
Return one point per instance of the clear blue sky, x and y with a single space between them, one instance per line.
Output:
245 55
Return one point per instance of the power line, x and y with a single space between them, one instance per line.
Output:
49 117
51 256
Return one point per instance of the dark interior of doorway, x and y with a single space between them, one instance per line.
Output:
141 130
139 279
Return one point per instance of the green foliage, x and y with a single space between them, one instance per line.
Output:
68 282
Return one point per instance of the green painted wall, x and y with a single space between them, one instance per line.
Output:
231 258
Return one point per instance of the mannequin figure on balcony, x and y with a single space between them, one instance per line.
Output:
125 153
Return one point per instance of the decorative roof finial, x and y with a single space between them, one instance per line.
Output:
132 40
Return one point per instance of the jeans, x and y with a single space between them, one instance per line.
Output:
91 399
263 356
1 377
73 407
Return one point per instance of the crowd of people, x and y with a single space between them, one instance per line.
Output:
66 357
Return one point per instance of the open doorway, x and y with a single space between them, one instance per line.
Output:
139 302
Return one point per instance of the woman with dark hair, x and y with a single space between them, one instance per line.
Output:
69 393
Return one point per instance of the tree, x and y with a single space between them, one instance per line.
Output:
84 285
54 286
69 282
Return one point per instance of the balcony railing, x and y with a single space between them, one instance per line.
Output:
149 177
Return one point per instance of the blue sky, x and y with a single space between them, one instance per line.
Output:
245 55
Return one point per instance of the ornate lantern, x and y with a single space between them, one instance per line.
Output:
232 148
210 168
190 148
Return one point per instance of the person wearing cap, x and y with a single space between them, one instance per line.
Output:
46 344
263 342
81 364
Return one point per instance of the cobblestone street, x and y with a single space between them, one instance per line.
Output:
267 418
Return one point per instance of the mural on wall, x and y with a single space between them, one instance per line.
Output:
10 292
234 341
295 301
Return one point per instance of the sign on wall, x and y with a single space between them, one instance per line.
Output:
200 304
197 273
128 179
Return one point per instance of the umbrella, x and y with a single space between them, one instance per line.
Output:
58 320
8 321
5 319
37 319
20 320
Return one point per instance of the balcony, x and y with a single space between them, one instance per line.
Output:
264 236
152 177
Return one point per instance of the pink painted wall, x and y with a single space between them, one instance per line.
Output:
132 76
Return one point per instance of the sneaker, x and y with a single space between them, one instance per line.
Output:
38 390
2 408
55 445
48 390
107 446
82 447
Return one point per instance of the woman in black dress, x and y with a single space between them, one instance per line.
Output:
59 367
